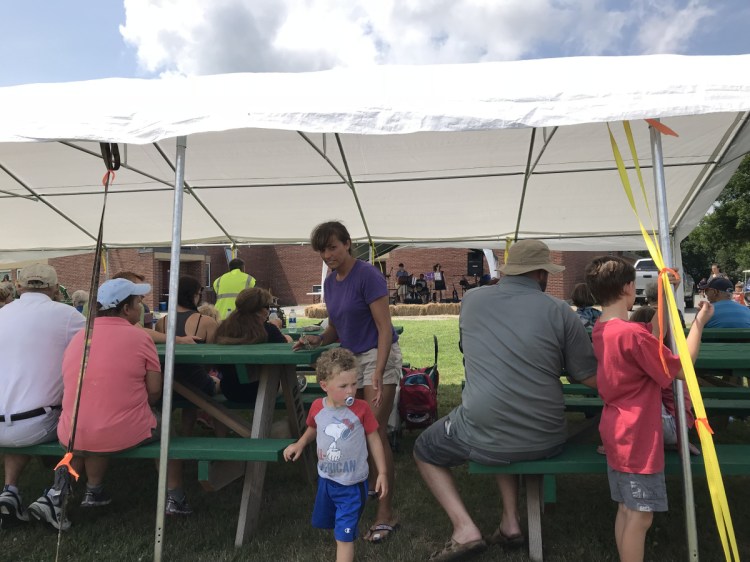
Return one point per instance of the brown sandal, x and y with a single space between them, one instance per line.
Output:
453 551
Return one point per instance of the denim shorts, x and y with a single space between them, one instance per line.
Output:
638 492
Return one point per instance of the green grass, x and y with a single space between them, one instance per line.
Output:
578 528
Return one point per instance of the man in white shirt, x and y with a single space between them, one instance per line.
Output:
34 332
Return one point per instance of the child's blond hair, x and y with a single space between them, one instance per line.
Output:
333 362
208 309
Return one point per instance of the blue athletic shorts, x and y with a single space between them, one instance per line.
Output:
339 507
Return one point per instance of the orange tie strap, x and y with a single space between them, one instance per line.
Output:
66 463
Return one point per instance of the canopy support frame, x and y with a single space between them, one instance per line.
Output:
166 408
43 200
347 179
192 193
530 170
665 241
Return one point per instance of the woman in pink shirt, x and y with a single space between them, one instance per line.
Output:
122 382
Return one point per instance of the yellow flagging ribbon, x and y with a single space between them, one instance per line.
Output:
713 472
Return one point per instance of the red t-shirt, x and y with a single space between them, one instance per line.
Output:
114 413
630 378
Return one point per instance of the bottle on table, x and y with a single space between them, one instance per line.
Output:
292 322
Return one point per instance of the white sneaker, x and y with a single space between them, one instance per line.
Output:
44 510
11 508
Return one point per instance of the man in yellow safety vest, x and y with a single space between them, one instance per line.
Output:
229 285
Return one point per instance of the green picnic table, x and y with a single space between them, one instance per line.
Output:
277 364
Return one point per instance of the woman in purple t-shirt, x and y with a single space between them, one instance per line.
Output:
356 295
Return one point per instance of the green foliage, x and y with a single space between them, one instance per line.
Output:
723 235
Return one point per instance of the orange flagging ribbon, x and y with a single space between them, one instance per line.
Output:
704 423
660 314
66 463
108 175
661 127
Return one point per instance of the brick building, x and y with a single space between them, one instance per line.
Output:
290 271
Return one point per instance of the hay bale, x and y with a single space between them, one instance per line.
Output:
316 311
430 309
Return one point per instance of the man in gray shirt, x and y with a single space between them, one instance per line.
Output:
516 341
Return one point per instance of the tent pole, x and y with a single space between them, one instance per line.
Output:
166 405
665 242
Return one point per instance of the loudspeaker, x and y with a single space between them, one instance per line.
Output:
475 263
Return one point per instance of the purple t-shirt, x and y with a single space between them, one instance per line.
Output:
348 303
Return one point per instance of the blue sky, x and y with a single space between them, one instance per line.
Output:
56 40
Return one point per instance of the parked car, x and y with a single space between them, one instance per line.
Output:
646 272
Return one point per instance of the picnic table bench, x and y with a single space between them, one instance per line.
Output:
583 459
715 392
714 406
202 449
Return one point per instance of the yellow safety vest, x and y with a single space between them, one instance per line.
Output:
228 286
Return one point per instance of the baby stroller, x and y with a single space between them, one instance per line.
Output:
415 403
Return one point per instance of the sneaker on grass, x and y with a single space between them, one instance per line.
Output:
11 509
95 499
46 511
175 507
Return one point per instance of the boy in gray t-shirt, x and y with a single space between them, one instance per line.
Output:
347 428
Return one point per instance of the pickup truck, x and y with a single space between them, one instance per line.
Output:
646 272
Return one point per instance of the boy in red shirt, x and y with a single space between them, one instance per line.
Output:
630 378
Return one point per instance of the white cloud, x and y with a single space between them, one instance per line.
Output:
202 37
670 27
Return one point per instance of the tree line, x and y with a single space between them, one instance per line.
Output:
723 235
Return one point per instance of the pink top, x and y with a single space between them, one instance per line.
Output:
630 378
114 412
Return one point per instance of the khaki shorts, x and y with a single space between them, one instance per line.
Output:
368 360
31 431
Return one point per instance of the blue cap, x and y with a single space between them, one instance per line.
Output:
114 291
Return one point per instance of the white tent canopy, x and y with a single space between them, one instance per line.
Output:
436 154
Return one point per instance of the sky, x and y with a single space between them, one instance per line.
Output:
68 40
